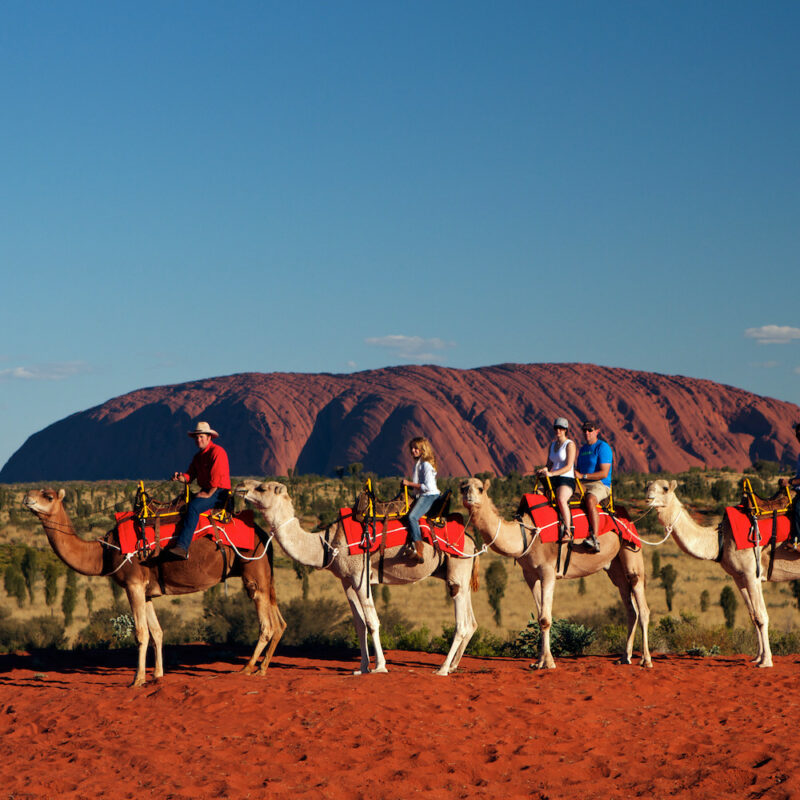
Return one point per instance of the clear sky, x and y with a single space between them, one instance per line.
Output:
193 189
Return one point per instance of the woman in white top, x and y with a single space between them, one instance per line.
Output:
561 468
423 484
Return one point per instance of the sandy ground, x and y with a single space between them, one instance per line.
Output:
692 728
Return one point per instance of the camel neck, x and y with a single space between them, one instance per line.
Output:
300 545
694 539
84 557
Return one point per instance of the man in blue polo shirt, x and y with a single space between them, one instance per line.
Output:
794 483
593 469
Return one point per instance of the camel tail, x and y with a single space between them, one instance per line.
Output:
475 581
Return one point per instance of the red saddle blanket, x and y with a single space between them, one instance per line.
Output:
449 539
545 518
239 532
744 536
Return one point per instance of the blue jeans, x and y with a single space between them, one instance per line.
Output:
197 505
421 507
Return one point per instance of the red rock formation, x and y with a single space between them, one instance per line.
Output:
493 418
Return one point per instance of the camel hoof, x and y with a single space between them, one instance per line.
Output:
646 665
138 683
381 669
765 665
248 669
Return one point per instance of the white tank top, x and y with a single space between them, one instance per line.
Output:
558 457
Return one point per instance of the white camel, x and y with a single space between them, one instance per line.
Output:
625 567
716 543
323 552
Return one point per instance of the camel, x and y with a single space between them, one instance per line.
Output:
156 576
356 573
625 568
716 543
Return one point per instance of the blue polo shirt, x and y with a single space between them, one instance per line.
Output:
591 456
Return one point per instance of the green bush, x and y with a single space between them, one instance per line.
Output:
39 633
566 639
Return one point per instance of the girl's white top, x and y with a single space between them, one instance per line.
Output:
425 475
558 457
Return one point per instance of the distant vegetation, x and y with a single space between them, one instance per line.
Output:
34 577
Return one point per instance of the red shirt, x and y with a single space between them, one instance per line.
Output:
210 468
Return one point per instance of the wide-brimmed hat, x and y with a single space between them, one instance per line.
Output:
203 427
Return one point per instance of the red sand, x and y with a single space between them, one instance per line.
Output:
692 728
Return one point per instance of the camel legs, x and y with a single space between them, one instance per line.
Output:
271 626
630 583
139 605
750 588
157 637
365 618
542 586
459 575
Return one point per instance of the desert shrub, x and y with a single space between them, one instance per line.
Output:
229 620
668 576
317 623
483 643
52 570
70 597
795 587
39 633
14 583
496 580
686 635
784 644
705 600
31 570
101 631
656 561
566 639
727 599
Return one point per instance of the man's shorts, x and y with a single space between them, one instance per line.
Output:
598 489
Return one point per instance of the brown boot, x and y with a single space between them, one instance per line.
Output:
419 549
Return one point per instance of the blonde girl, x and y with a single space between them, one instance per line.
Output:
423 485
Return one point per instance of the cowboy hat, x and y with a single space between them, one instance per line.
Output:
203 427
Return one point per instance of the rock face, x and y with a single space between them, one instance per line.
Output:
494 418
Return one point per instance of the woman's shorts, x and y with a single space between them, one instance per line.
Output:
560 480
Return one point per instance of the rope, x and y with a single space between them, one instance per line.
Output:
668 528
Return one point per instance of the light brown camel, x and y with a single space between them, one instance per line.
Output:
158 576
331 552
538 560
716 543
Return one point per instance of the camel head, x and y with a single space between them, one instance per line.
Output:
270 498
44 502
660 493
474 493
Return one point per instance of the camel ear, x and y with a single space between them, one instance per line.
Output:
279 488
61 494
486 484
673 485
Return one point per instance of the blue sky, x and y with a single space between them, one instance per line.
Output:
193 189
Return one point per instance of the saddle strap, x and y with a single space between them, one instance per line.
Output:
773 541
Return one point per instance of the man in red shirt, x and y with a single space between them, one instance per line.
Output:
210 469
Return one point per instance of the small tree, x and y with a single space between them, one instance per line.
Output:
385 596
496 580
796 591
51 573
70 597
656 564
668 577
89 596
728 601
705 600
14 582
30 569
581 586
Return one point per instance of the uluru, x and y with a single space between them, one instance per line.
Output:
495 418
